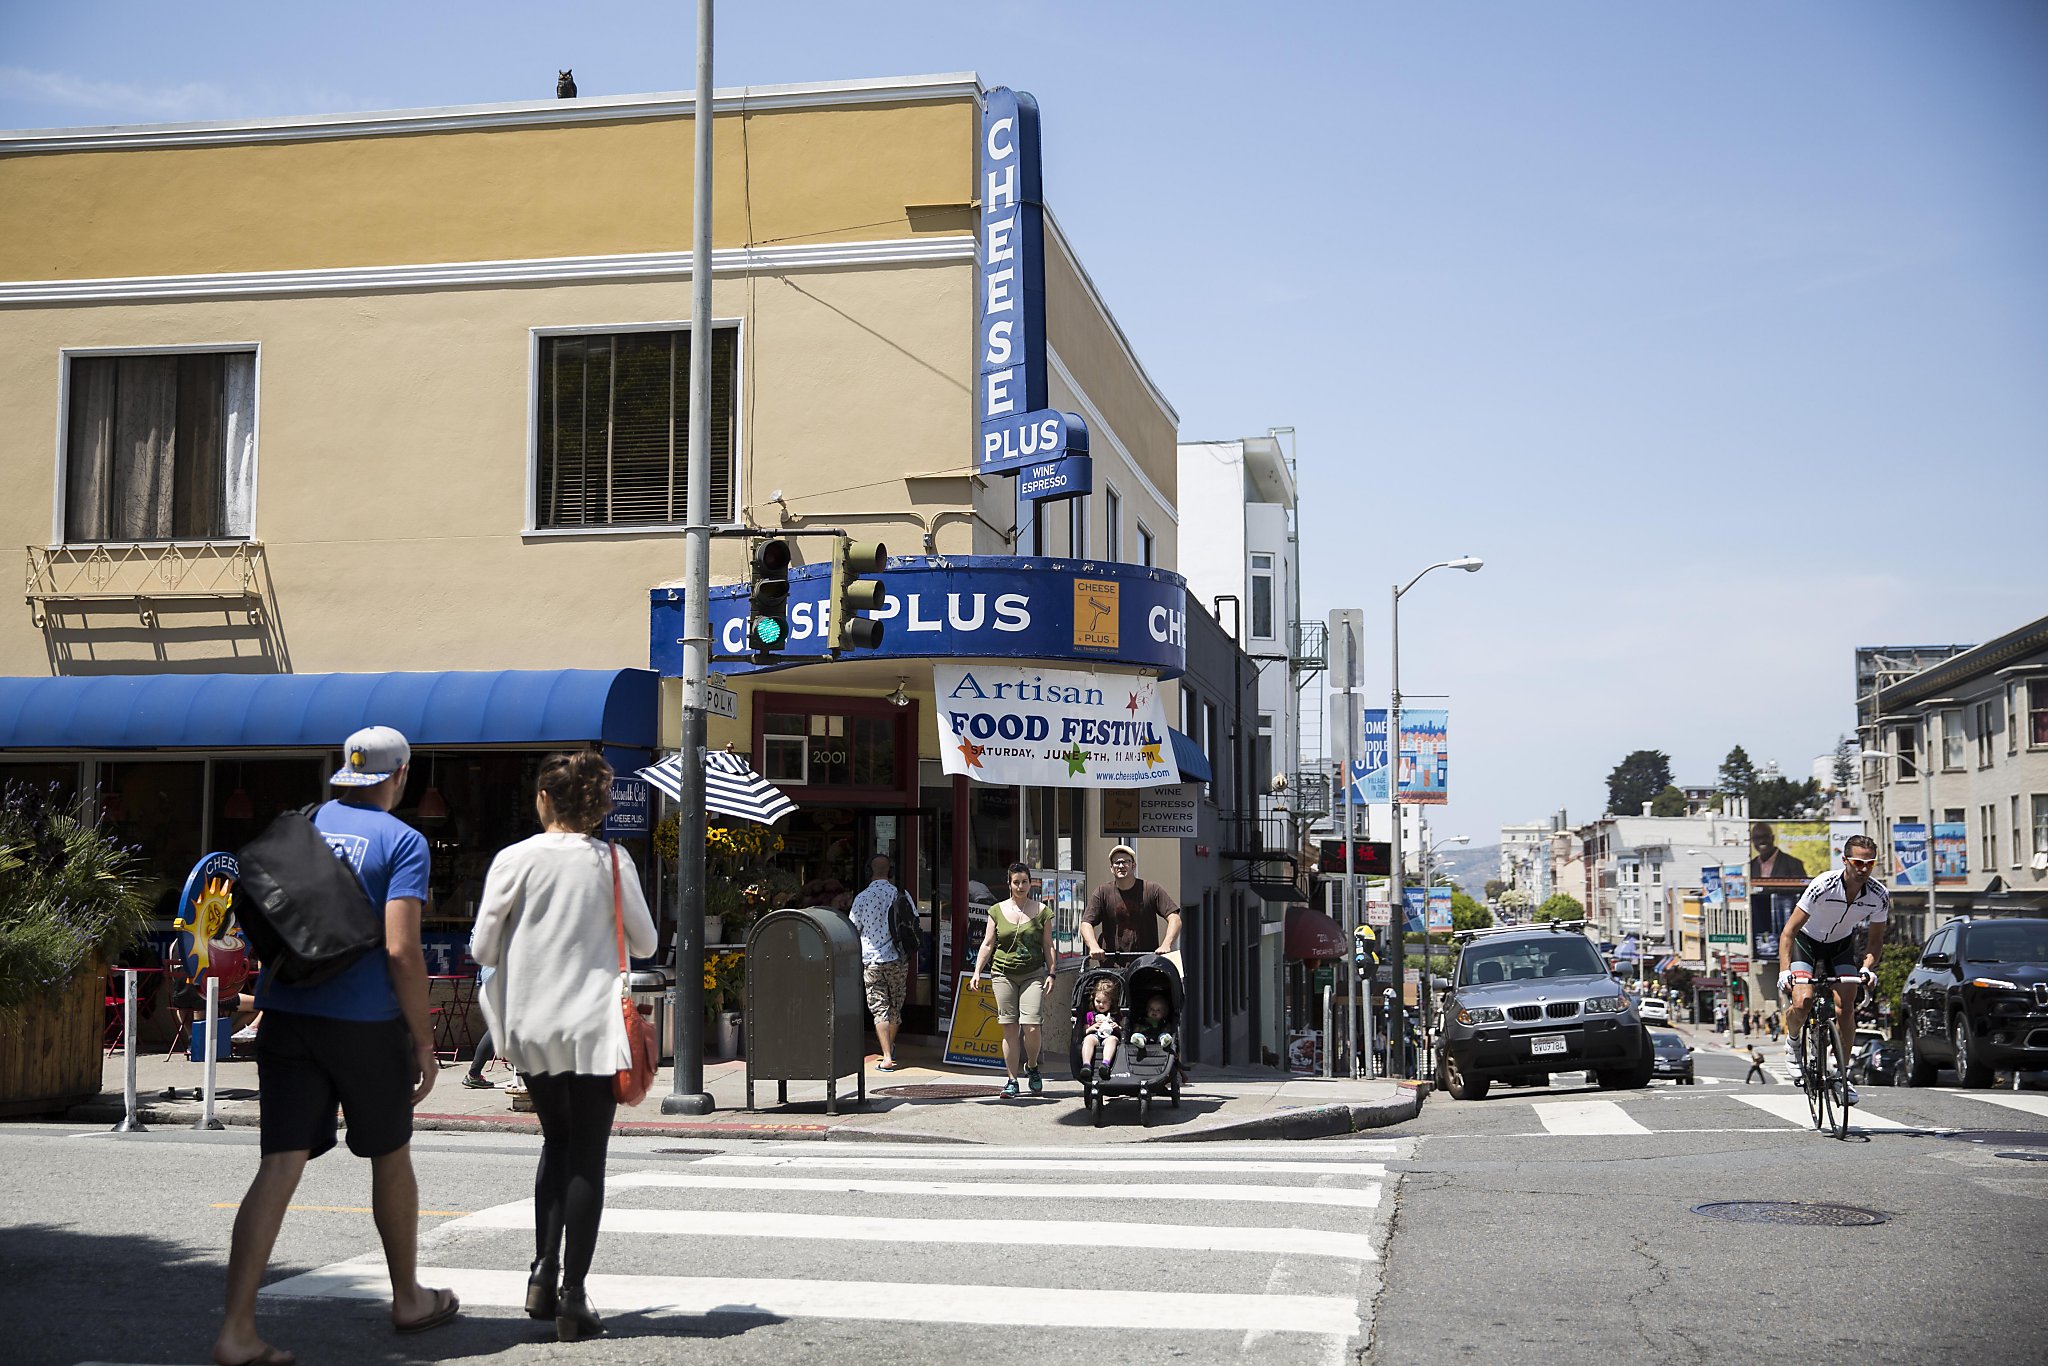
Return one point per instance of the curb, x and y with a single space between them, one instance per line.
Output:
185 1117
1318 1121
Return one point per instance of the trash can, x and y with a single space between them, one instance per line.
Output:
806 1013
653 997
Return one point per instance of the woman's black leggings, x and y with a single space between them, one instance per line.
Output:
575 1113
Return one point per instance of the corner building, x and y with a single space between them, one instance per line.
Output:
319 422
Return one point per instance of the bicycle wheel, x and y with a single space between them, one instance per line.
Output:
1836 1080
1820 1095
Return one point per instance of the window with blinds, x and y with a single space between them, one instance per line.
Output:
614 428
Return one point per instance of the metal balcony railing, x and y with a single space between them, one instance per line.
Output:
143 574
1310 652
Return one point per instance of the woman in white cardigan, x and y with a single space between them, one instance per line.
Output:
547 925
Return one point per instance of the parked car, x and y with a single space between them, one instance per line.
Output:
1976 1000
1874 1061
1654 1010
1527 1001
1673 1056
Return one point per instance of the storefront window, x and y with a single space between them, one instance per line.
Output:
157 807
838 748
59 779
248 794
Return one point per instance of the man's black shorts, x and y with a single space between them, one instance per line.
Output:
308 1064
1827 958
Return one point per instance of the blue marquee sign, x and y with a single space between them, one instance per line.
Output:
962 607
1017 426
1062 478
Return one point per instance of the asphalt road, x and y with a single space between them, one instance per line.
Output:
1516 1238
114 1248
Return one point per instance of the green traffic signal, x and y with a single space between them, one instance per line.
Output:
768 594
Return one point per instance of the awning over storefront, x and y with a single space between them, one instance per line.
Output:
615 707
1312 935
1188 756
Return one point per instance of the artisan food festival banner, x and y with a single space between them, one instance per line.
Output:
1053 727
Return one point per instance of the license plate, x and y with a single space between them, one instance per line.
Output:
1546 1043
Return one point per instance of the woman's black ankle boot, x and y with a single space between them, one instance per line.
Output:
575 1318
542 1301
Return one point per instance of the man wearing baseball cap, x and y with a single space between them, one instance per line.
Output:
1126 910
361 1040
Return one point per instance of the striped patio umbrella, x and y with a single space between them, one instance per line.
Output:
731 787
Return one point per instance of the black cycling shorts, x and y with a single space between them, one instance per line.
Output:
1824 958
306 1065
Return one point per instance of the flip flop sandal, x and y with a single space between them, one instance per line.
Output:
446 1307
887 1066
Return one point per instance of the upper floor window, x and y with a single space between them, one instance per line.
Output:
1112 524
1987 726
160 447
1905 749
1148 553
2013 712
2037 713
1262 597
613 429
1952 739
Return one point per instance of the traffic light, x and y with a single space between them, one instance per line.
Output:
853 592
1365 950
768 595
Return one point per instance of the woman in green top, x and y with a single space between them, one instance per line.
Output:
1019 940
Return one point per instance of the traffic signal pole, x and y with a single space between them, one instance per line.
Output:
688 1096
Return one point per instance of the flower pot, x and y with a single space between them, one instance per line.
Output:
50 1057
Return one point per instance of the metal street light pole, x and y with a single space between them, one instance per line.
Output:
1397 1039
689 1096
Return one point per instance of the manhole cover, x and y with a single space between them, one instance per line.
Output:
937 1090
1791 1212
2026 1157
2002 1138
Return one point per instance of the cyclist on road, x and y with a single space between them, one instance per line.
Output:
1819 940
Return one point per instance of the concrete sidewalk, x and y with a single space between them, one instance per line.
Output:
921 1101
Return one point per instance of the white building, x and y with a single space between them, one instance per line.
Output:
1238 542
1525 859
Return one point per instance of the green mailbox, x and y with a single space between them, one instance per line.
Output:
806 1007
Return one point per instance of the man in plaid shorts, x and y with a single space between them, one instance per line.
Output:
882 967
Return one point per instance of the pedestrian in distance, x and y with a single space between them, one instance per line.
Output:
1018 946
883 970
1756 1066
1123 914
361 1039
480 1057
554 909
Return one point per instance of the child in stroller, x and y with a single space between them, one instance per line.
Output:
1099 1037
1155 1028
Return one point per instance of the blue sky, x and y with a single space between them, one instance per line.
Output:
1719 330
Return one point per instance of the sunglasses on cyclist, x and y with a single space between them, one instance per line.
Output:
1866 864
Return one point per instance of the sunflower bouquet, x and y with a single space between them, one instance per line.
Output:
725 974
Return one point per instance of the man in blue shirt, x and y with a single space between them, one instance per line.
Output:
361 1040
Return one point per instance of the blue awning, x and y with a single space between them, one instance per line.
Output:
297 711
1193 764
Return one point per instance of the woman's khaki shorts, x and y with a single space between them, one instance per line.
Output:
1019 1000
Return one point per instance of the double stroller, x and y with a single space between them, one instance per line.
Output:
1147 1061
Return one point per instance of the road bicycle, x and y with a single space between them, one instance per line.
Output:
1825 1075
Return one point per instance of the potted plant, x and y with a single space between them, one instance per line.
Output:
70 897
725 976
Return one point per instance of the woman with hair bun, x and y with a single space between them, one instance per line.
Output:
548 925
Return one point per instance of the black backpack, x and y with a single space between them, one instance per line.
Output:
304 909
904 928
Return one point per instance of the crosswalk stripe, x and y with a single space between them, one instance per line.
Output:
1015 1306
1100 1152
1068 1233
1793 1109
1586 1117
1353 1198
1034 1164
2033 1105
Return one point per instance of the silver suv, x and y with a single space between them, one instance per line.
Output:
1530 1000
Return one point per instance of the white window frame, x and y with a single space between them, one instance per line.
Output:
1906 755
533 530
1986 711
2018 835
1112 522
2013 712
2038 804
1270 572
63 444
1953 736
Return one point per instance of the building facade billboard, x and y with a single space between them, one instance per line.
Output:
1951 853
1909 854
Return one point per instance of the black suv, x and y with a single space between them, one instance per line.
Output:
1530 1000
1977 998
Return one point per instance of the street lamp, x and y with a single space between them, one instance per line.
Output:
1470 564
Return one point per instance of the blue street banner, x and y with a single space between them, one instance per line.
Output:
1440 908
1425 757
1735 882
1909 854
1413 903
1951 856
1369 771
1710 885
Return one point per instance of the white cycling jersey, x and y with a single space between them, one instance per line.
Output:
1831 916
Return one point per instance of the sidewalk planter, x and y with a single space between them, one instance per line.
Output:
50 1057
